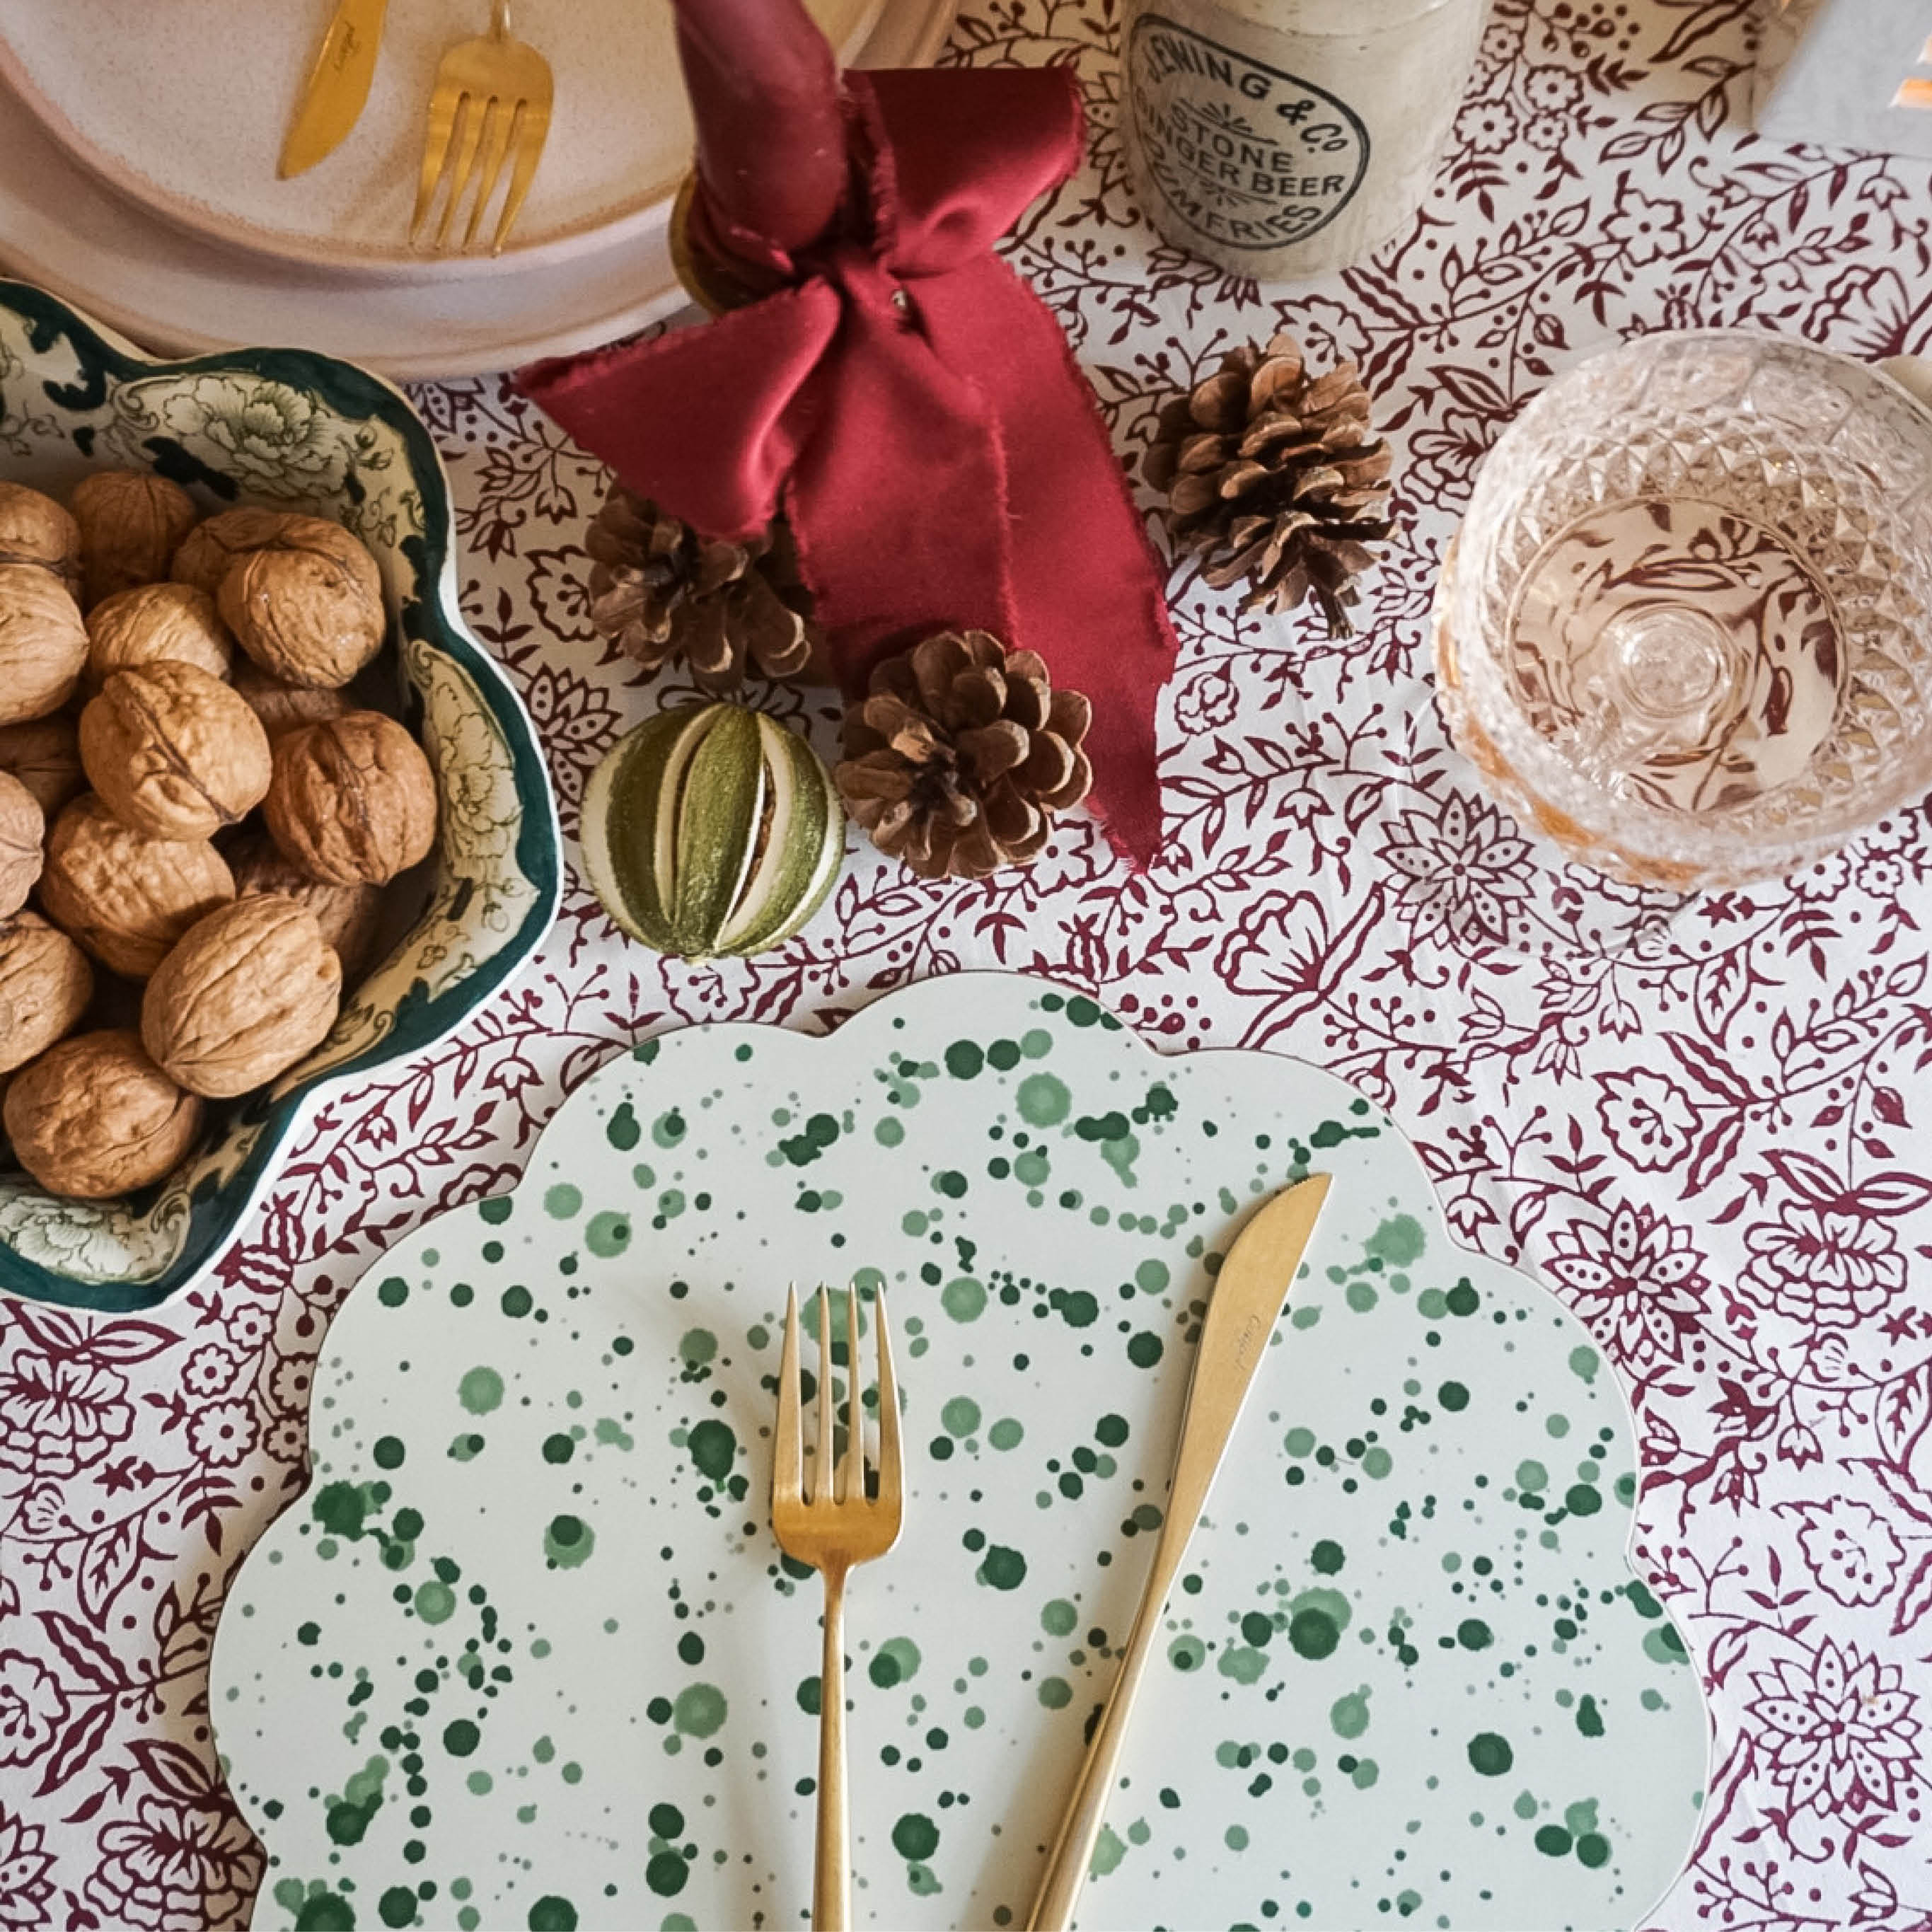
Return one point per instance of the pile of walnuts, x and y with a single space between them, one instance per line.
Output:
180 951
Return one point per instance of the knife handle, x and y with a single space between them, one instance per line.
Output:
1073 1853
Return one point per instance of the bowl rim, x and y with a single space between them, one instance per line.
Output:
433 617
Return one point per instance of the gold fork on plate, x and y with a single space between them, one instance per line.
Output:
839 1527
491 103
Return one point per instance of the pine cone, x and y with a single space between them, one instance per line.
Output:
1281 473
662 591
961 754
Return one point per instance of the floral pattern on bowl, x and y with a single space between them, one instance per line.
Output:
305 432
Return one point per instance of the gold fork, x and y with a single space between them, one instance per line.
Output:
839 1527
492 98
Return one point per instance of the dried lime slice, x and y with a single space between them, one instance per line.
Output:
712 830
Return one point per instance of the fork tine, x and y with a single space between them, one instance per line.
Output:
444 107
497 121
889 1491
463 163
787 1449
531 130
852 1484
823 1489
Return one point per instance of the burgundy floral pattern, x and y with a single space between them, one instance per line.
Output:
57 1415
1834 1265
24 1887
174 1866
31 1707
1703 1123
1842 1729
1635 1276
1461 872
1647 1117
1851 1549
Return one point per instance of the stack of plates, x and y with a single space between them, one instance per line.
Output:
138 148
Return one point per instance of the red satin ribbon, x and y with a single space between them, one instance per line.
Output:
918 413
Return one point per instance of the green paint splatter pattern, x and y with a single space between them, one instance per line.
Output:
526 1654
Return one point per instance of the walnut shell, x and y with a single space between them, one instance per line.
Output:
155 622
248 991
350 916
23 831
42 643
282 707
46 984
44 755
94 1116
35 529
208 551
175 753
125 897
131 522
309 610
353 798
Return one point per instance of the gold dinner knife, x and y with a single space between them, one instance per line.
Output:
1249 1295
338 84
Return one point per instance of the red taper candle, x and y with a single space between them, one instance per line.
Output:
764 94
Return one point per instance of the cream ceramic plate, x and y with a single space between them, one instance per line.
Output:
183 107
62 226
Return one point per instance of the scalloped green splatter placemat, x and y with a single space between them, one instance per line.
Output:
527 1654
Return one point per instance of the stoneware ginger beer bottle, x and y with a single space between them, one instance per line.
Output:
1281 138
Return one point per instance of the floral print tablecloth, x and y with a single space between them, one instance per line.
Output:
1704 1124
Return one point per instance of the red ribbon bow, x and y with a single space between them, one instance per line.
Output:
918 412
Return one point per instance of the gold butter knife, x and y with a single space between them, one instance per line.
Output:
1249 1295
338 84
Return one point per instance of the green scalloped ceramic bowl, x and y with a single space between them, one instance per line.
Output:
305 432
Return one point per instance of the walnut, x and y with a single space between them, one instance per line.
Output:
309 609
353 798
34 529
280 706
174 752
350 916
208 551
125 897
94 1116
131 522
44 755
248 991
42 643
23 830
153 622
46 984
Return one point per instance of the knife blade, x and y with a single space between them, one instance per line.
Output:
1250 1293
338 84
